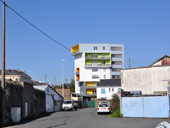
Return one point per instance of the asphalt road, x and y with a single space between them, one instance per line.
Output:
87 118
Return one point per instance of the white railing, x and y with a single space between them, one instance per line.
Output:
97 58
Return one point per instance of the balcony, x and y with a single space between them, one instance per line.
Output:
116 59
117 66
93 94
75 53
90 87
98 65
97 58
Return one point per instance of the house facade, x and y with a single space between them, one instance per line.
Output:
94 62
16 75
165 60
53 99
107 88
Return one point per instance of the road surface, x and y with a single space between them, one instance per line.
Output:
87 118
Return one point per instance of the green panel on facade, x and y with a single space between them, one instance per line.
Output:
99 54
91 104
99 61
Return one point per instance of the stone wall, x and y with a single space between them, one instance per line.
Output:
17 95
39 102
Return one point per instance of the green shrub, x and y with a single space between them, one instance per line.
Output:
115 106
115 98
115 102
116 113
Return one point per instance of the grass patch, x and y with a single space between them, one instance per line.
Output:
116 113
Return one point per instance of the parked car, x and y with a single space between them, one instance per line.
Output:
69 105
107 102
164 124
104 107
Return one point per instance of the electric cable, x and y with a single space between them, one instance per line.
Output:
36 27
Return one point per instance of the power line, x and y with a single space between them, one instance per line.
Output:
125 62
36 27
136 63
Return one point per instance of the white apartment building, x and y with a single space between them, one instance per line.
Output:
94 62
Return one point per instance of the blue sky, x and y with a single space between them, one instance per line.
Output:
143 26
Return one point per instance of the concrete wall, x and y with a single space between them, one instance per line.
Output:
15 96
150 107
148 80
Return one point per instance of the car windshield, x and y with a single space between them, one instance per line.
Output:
103 105
67 102
105 102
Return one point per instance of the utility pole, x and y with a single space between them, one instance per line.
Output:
3 49
45 78
129 62
3 111
54 81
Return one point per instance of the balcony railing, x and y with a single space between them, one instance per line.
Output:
74 53
91 86
97 58
98 65
93 94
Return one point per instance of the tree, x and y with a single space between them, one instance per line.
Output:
72 85
115 102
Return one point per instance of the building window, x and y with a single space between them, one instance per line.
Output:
103 91
94 84
109 89
113 62
103 48
116 49
81 83
95 48
113 69
94 92
113 55
104 76
115 77
103 62
116 69
104 70
94 55
94 70
94 76
112 89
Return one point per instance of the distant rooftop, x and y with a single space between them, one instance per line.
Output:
109 82
14 72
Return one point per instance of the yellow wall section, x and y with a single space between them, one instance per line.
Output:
90 91
75 48
90 83
77 77
77 69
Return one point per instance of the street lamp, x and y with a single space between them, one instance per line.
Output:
62 79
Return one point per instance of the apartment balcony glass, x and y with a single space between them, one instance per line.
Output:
97 58
98 65
88 87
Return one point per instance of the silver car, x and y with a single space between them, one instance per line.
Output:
104 107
